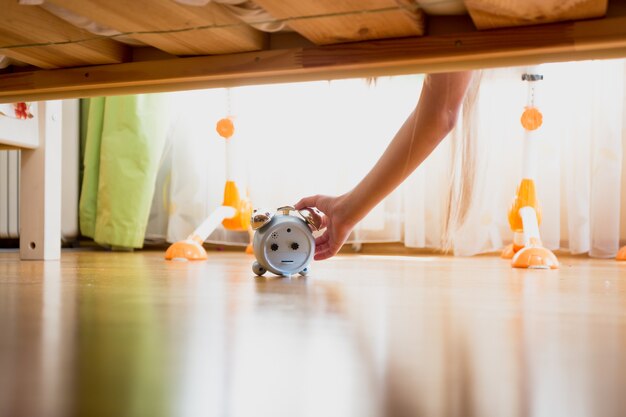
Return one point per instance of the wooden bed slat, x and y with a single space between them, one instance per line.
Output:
31 25
198 30
329 21
489 14
557 42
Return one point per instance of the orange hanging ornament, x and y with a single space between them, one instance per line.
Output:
531 118
225 127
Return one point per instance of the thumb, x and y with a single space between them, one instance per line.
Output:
311 201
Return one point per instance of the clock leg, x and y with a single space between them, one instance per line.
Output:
258 269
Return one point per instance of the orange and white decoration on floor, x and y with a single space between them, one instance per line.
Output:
527 250
240 221
234 213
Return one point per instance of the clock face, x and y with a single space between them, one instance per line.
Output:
286 245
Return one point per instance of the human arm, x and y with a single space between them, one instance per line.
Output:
431 120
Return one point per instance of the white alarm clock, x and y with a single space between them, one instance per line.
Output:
283 242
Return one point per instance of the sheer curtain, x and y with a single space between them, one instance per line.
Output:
294 140
580 163
291 140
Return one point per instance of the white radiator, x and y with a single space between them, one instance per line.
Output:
9 180
9 196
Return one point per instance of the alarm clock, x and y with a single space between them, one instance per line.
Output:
283 241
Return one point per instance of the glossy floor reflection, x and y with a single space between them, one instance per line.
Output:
128 334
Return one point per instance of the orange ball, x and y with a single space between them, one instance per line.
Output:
225 127
531 118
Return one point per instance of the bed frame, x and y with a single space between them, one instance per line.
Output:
202 47
40 178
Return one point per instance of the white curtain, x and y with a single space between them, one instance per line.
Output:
291 140
580 163
294 140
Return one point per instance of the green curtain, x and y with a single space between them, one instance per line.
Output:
123 140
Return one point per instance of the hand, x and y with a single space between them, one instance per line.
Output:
338 225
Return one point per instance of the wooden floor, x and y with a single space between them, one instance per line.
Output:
129 334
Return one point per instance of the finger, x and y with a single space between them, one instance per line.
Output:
321 248
326 251
321 202
310 201
322 255
322 240
325 221
323 227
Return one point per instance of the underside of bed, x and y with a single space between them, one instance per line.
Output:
78 48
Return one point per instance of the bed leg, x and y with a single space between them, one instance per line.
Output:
40 189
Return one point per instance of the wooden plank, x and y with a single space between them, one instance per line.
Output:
489 14
568 41
329 21
40 189
53 42
194 30
118 334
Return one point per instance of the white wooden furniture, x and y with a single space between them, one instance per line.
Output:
40 178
